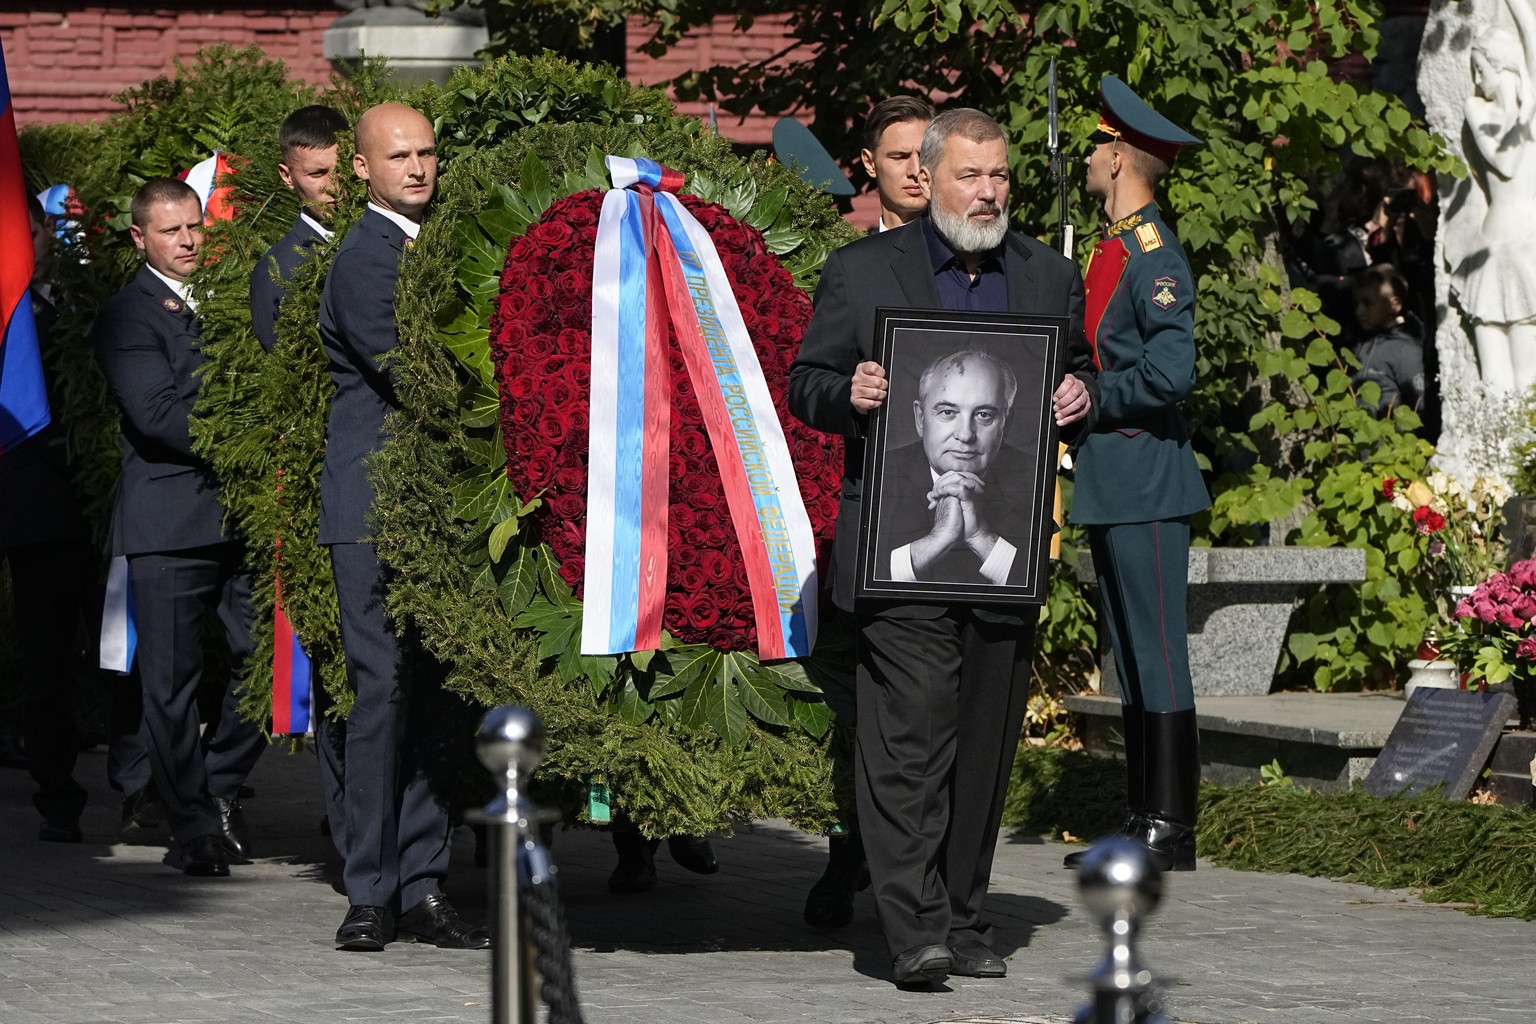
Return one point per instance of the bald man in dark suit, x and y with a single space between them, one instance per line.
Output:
396 826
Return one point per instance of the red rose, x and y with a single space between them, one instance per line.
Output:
717 568
1388 488
567 506
553 235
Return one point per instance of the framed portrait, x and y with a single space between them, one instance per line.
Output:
960 460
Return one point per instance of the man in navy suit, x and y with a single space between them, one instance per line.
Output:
170 524
941 687
307 140
396 826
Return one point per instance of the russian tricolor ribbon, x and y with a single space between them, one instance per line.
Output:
655 262
119 635
204 179
23 400
293 677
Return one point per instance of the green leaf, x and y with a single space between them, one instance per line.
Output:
519 583
724 710
814 717
760 696
501 534
534 184
630 706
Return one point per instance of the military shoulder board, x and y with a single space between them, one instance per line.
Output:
1148 238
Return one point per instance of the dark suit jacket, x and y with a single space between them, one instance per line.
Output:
357 325
905 516
1137 465
266 293
37 499
147 343
893 269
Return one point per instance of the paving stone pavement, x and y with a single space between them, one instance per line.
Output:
106 932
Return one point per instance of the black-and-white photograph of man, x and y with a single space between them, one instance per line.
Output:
957 508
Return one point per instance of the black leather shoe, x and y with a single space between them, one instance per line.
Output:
972 958
60 830
143 814
1130 827
923 965
694 853
829 904
237 841
204 857
636 870
434 920
365 929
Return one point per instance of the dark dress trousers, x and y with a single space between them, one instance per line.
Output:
170 524
43 539
266 299
941 688
396 826
1137 481
267 293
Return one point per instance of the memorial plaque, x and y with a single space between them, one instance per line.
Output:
1442 737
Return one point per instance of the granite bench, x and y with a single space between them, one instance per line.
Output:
1240 604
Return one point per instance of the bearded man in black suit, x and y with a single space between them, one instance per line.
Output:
941 687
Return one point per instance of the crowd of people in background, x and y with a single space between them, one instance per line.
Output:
1369 255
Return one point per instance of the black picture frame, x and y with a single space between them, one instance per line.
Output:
1015 461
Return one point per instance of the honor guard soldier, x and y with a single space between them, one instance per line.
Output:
1137 481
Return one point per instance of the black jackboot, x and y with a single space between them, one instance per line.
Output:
1132 721
1172 797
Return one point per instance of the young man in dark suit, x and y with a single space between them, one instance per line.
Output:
892 134
941 688
396 826
1137 482
307 139
170 524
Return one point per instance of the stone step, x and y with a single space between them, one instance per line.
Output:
1327 741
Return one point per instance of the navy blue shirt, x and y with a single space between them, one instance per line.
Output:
988 293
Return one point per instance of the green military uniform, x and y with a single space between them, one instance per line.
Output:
1137 482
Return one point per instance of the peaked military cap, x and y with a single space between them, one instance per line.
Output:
1124 115
797 147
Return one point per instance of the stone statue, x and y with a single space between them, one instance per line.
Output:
1477 78
1496 284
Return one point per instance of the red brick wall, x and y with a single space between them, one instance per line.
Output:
65 60
719 44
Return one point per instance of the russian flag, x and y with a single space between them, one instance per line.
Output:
23 402
204 179
292 679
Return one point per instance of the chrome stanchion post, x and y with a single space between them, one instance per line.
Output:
510 743
1120 885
